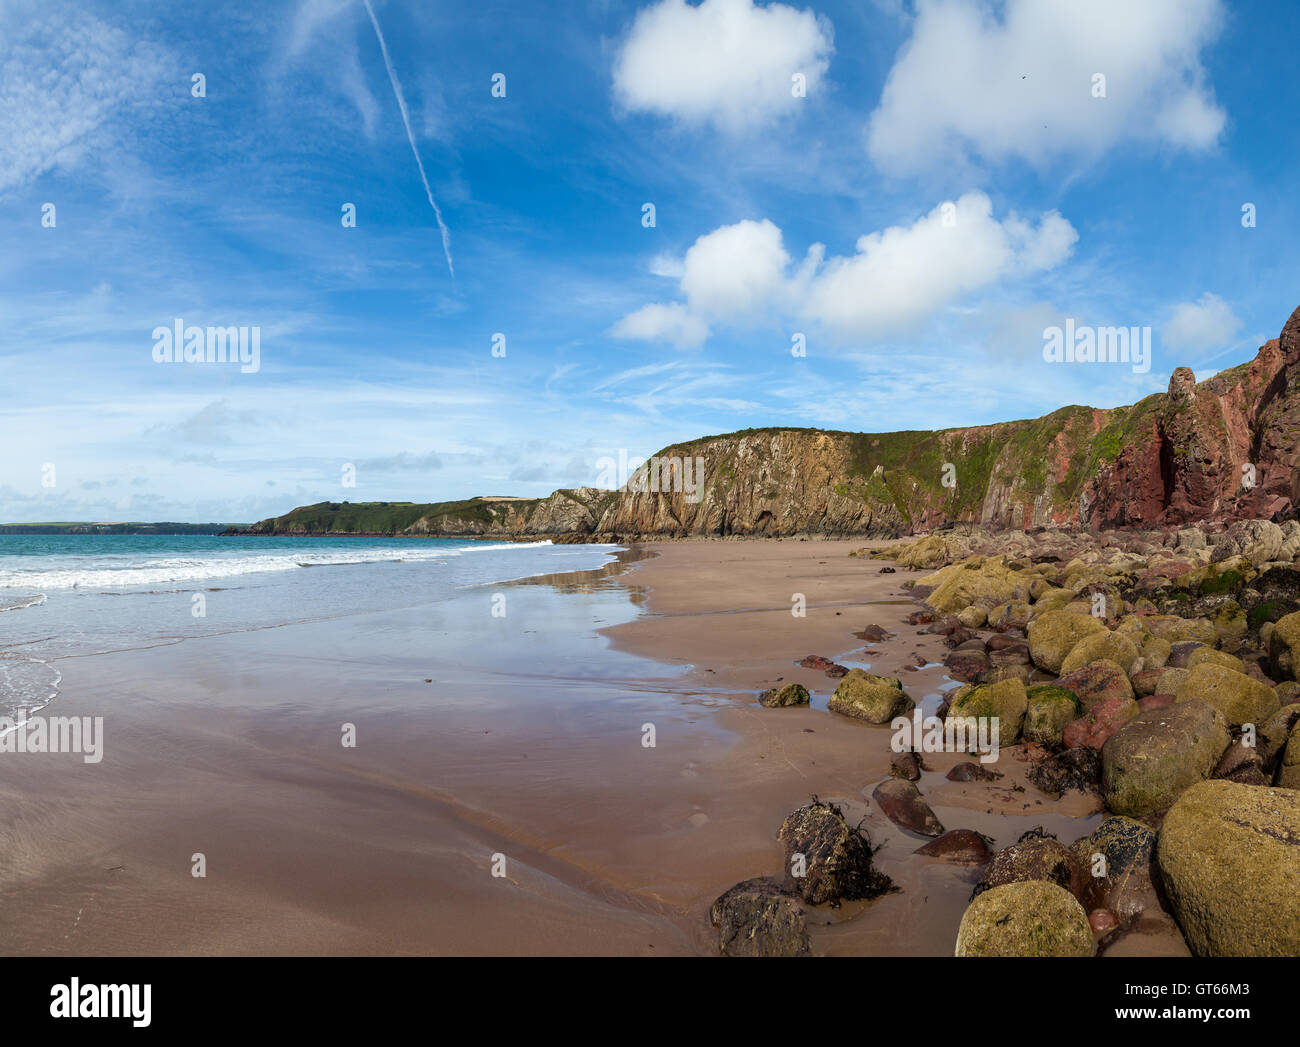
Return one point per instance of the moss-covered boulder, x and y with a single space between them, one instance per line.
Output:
1007 700
1048 710
1011 615
1240 698
1030 918
1097 682
866 696
1273 734
1148 763
1107 646
986 581
826 858
1209 656
1181 630
760 918
1054 634
790 694
1288 774
1229 855
1284 647
1155 652
973 617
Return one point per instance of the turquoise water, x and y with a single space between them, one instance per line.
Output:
64 596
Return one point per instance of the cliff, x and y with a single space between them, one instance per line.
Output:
1221 449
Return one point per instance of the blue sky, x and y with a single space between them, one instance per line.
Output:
775 215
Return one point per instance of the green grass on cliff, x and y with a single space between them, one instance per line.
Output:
381 517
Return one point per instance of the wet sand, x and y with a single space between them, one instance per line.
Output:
527 743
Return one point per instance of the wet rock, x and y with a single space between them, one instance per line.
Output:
1013 654
759 918
816 661
875 633
1154 757
1077 769
966 665
1102 921
1243 764
971 772
906 766
959 846
1030 918
1229 855
1035 856
836 856
1006 700
865 696
790 694
902 804
1118 860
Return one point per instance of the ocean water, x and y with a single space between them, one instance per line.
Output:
69 596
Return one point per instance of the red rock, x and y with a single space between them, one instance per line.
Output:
1102 920
959 846
1155 701
1095 727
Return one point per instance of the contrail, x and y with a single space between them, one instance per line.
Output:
410 137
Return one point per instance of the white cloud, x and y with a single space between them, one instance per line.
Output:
967 82
65 76
1207 323
729 63
735 270
894 280
663 323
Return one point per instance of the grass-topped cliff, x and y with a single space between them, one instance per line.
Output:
1224 448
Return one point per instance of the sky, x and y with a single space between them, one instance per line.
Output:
586 227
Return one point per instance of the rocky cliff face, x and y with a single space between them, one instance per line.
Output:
1227 448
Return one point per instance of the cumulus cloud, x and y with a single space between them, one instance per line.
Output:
670 323
895 278
1207 323
729 63
1021 86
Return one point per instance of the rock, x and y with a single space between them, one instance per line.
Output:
865 696
1099 723
1148 762
1288 774
972 617
1053 634
1097 682
1284 647
959 846
836 857
759 918
987 581
1209 656
1012 654
1180 653
1155 701
966 665
1005 700
1229 855
1035 856
1049 709
816 661
1273 734
1111 647
906 766
1102 921
902 804
971 772
1236 695
875 633
1243 764
1145 682
1031 918
1077 769
1126 885
1012 615
790 694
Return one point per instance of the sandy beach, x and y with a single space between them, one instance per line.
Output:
477 738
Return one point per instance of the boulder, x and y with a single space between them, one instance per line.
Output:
759 918
1112 647
1053 634
1152 759
906 766
902 804
866 696
1229 856
1006 700
1049 709
1097 682
1077 769
1284 647
959 846
1011 615
1236 695
790 694
1099 723
1118 858
1035 856
1209 656
1029 918
986 581
1288 774
836 857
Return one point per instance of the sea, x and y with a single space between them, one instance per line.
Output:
72 596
